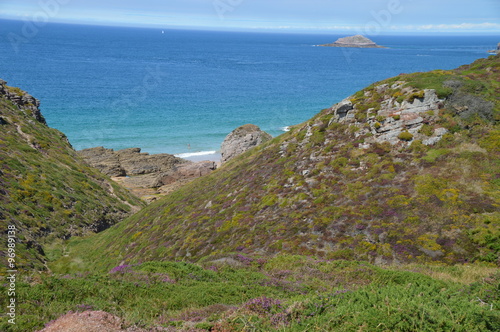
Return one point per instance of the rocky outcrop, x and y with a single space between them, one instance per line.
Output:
144 174
242 139
357 41
129 162
395 118
24 101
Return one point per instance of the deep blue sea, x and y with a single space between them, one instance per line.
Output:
183 91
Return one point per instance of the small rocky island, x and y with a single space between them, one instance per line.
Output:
354 41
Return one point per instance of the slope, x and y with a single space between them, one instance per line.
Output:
404 170
46 191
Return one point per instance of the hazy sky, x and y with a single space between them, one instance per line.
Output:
361 16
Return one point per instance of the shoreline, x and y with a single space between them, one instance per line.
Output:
200 156
215 157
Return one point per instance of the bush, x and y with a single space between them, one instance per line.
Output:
405 136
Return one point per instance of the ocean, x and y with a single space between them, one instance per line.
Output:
183 91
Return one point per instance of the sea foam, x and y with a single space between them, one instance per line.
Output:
194 154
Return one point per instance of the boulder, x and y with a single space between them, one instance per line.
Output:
242 139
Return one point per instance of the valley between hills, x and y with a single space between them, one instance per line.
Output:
381 213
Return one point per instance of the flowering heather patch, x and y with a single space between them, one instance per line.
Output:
280 319
167 279
360 227
263 305
121 269
244 259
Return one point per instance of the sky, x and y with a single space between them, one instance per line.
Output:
368 17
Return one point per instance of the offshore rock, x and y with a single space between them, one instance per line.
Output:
242 139
357 41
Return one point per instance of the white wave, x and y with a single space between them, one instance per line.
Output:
194 154
285 129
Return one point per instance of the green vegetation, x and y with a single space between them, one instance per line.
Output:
320 194
291 235
46 191
405 136
431 80
287 292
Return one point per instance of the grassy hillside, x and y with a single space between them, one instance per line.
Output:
46 191
333 188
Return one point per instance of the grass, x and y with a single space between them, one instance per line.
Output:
48 192
287 292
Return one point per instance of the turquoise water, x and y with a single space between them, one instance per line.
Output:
180 92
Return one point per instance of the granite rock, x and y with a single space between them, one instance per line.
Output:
242 139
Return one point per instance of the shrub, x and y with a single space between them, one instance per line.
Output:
405 136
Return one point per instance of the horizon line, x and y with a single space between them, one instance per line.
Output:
269 29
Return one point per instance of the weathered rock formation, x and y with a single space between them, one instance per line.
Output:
407 116
242 139
129 162
24 101
357 41
144 174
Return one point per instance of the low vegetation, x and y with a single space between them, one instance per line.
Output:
317 190
46 191
287 292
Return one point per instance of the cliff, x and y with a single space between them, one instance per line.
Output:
356 41
405 170
46 191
